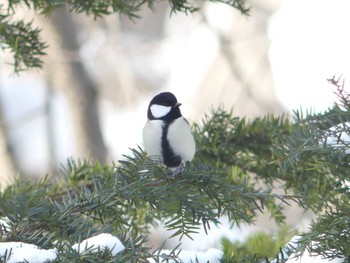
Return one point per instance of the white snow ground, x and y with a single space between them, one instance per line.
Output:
19 252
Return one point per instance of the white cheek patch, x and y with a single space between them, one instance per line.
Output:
159 111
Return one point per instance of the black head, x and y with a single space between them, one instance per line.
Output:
164 106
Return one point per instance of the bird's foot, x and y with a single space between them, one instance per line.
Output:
177 170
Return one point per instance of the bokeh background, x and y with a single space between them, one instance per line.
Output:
90 98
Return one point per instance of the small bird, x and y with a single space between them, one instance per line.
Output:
167 136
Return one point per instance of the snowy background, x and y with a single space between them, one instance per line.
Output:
307 43
286 50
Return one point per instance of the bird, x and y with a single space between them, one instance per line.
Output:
167 135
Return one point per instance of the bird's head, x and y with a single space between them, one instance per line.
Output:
164 106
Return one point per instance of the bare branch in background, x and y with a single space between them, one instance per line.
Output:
70 75
9 168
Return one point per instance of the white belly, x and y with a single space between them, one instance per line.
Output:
179 136
152 138
181 139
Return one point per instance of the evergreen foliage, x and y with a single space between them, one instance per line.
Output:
238 164
24 42
124 200
321 144
258 246
233 175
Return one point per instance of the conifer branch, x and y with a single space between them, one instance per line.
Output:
23 41
317 160
234 156
94 199
26 45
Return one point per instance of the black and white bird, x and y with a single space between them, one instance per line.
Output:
167 136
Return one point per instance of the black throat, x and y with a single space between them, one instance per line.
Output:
169 157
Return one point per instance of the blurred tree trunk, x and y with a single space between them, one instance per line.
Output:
8 163
68 71
50 126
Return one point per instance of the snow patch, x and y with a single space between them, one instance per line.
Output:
5 224
19 252
100 242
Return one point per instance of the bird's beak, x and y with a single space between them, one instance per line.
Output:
177 105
